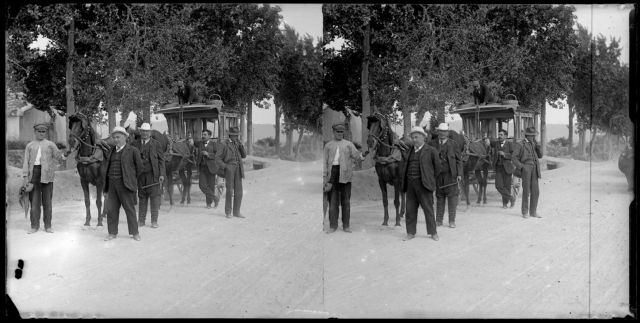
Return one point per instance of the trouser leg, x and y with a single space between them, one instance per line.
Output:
237 192
526 187
47 195
113 208
451 207
412 203
35 196
426 202
155 207
229 180
334 197
127 198
143 201
204 182
345 203
535 192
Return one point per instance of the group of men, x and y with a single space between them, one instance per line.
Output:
130 168
430 166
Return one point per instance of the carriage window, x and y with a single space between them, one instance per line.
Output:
212 124
230 122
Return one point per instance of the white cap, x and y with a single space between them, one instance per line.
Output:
120 130
145 126
443 126
419 130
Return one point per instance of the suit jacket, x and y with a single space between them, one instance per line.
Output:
448 151
508 149
131 167
429 166
224 155
348 154
526 153
49 152
210 160
156 154
483 95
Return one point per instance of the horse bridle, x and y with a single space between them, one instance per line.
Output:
85 134
385 132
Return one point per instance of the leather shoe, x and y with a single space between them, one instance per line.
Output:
33 230
439 224
435 237
228 216
332 230
49 230
140 223
504 206
409 237
239 216
513 201
536 215
347 229
136 237
525 216
110 237
452 224
154 224
208 206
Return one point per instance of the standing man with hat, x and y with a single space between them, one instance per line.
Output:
122 168
38 171
525 157
449 177
229 156
504 167
207 168
339 155
421 166
152 177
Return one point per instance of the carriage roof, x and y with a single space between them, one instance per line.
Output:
509 106
173 108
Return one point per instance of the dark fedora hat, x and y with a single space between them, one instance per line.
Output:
531 131
234 131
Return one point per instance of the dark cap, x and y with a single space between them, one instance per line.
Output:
531 131
234 131
42 126
339 126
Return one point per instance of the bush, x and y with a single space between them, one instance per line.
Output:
267 142
17 145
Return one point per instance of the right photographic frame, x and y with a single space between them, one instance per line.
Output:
479 160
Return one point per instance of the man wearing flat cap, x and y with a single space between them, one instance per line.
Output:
339 156
421 166
525 157
449 177
152 177
122 169
229 155
38 171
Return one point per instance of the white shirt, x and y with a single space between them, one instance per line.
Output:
120 149
418 149
144 142
38 155
336 159
502 144
443 141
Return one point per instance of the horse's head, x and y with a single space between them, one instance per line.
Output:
79 129
134 134
379 129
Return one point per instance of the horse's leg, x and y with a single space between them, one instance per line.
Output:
170 184
183 178
465 185
396 203
485 180
478 173
87 201
403 202
385 202
188 183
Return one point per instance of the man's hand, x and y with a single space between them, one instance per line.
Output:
161 179
24 182
365 153
102 144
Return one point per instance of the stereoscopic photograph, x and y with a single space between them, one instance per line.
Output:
238 160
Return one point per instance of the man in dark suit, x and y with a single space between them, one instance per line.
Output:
229 156
449 177
504 167
525 157
152 177
420 168
122 167
482 94
185 93
207 168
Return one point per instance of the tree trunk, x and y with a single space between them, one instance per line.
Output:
300 135
571 109
289 142
146 112
71 109
250 127
366 101
592 143
406 110
543 128
278 109
581 143
111 115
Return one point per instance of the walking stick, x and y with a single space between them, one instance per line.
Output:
454 183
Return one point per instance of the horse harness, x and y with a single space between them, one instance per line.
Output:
86 135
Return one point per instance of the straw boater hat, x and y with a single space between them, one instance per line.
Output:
120 130
234 131
443 126
145 126
418 130
531 131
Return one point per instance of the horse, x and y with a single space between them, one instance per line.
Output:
89 157
176 154
381 139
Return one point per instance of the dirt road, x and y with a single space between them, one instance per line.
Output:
571 263
197 264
